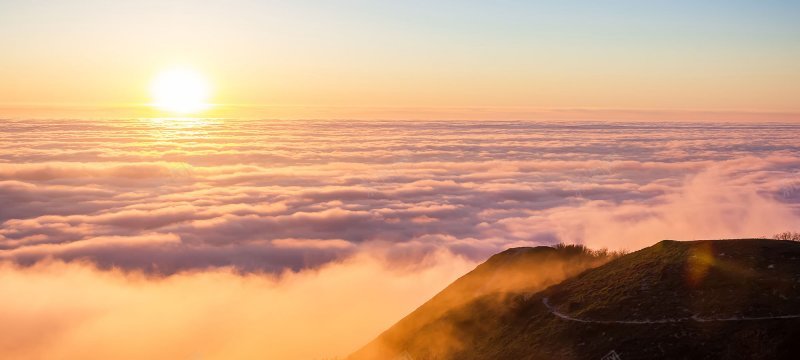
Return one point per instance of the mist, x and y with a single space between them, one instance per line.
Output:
57 310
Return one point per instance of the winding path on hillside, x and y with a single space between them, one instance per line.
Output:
555 312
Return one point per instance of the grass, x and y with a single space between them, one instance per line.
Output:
753 277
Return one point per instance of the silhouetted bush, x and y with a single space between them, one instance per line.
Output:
788 235
580 249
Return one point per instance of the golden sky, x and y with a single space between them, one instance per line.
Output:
349 58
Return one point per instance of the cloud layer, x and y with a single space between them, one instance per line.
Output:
171 195
55 310
240 228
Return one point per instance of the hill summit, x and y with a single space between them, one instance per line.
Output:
735 299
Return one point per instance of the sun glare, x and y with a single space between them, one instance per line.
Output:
180 91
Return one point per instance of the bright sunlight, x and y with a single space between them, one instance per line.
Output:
181 91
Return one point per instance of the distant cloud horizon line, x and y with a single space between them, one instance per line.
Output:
423 113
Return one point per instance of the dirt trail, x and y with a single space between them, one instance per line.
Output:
555 312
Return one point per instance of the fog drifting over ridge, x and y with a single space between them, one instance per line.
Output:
247 215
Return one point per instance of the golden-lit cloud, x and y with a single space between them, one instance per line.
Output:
170 196
304 239
70 311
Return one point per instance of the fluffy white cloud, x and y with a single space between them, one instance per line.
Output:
237 193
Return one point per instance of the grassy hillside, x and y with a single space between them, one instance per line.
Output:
736 299
517 270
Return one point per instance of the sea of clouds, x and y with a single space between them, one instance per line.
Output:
262 238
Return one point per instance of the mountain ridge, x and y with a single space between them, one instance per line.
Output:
675 299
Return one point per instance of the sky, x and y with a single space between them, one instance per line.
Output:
410 59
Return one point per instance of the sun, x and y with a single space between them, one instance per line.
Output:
180 91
